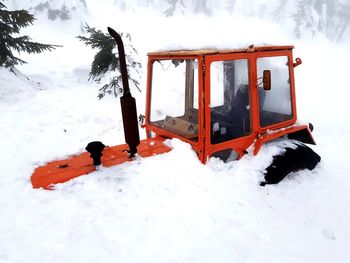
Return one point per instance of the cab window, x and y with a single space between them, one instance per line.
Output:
174 97
275 105
229 100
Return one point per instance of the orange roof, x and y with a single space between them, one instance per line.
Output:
217 51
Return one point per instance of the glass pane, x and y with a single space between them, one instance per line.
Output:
174 99
229 100
275 104
227 155
217 84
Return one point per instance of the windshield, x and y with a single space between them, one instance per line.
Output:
174 96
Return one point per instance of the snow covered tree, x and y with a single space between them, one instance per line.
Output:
230 6
306 18
280 11
201 6
336 18
328 16
105 68
343 21
173 6
11 22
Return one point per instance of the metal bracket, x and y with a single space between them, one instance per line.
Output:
297 62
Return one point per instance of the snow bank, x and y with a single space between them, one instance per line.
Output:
167 208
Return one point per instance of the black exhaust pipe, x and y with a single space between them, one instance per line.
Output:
128 103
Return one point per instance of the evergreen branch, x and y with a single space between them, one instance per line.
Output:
24 44
97 38
18 61
11 22
5 29
103 61
106 61
17 19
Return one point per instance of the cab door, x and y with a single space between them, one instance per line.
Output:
277 105
228 105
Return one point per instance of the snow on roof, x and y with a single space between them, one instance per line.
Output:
251 48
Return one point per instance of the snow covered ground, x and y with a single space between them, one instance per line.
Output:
167 208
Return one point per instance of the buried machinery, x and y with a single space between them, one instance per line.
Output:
219 101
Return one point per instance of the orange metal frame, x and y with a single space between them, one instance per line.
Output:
64 170
259 134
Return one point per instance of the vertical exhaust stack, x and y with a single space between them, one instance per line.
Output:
128 103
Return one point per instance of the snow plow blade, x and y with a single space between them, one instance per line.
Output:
63 170
294 159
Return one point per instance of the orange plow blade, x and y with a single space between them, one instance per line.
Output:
63 170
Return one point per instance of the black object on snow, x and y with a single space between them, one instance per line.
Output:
292 160
95 149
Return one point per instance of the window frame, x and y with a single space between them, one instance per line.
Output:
278 125
235 144
159 131
225 99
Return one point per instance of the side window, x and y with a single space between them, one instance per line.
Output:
168 89
217 84
275 105
229 100
174 96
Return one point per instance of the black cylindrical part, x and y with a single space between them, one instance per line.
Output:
95 149
131 129
122 61
128 103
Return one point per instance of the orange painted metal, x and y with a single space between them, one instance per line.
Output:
203 146
197 146
63 170
273 135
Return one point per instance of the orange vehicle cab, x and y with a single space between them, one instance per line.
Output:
219 101
216 100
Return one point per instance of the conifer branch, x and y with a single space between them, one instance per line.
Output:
11 22
106 62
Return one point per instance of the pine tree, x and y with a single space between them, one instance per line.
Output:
105 67
230 6
280 11
201 6
343 20
11 22
328 16
306 19
174 5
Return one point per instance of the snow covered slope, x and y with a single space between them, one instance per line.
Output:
167 208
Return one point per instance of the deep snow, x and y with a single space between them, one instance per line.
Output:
167 208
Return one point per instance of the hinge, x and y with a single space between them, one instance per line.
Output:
203 66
